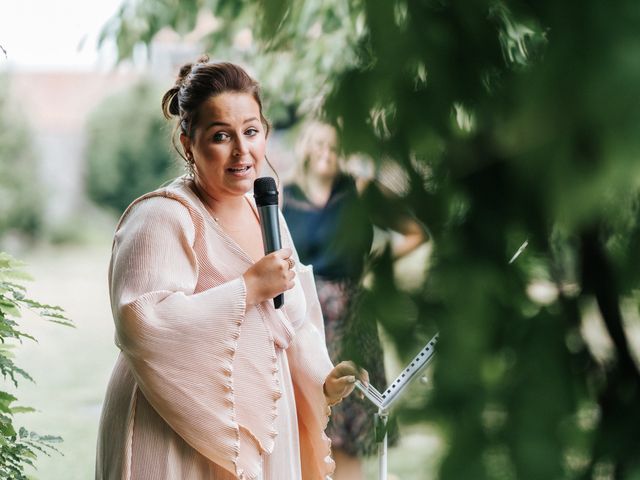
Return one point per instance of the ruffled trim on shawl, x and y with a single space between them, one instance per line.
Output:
313 411
249 463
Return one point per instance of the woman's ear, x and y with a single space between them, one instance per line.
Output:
186 146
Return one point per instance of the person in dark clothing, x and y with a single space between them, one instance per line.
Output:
332 232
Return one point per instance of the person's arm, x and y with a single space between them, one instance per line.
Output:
178 344
411 233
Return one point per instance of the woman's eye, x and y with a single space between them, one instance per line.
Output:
251 131
220 137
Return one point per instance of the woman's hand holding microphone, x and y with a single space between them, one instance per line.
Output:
272 275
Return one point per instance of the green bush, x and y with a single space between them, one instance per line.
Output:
128 147
18 447
20 198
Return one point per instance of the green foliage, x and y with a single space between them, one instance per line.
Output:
295 61
20 197
127 148
513 121
18 448
550 157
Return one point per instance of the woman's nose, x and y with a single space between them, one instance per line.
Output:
241 147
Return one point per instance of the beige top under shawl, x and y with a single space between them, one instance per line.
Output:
203 390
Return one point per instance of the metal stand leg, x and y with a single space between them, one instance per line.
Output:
380 423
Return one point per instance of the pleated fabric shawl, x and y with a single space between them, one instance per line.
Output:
202 389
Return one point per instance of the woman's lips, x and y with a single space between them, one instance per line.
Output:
241 170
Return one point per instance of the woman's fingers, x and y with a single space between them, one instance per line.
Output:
270 276
286 262
339 387
349 367
364 376
283 253
347 383
342 380
344 368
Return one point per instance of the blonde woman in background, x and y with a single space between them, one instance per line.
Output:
333 233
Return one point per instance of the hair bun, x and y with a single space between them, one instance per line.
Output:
170 104
185 70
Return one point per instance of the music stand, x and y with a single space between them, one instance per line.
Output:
384 400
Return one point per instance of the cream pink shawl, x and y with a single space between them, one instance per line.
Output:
207 368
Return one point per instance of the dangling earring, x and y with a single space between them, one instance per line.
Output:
190 165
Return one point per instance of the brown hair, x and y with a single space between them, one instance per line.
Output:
199 81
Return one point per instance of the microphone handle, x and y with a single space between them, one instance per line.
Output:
270 226
278 300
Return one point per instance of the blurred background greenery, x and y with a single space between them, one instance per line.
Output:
509 122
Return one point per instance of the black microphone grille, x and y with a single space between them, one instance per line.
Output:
265 191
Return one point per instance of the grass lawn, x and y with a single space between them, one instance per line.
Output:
71 368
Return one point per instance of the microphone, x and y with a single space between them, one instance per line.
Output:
265 193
